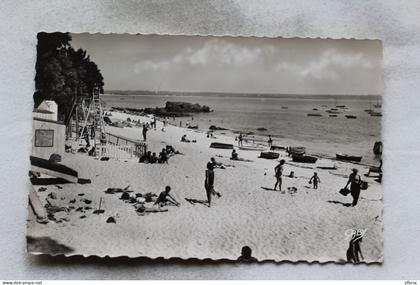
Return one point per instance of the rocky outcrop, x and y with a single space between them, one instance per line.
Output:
215 128
171 109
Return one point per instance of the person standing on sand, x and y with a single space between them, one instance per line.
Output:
278 170
354 181
315 180
209 184
270 141
145 132
240 138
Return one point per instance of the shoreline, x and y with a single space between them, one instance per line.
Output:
262 140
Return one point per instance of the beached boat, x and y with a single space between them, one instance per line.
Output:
314 115
193 127
351 117
251 147
304 158
298 150
346 157
53 169
221 145
269 155
277 147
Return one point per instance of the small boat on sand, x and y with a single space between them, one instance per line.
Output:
193 127
277 147
297 150
304 158
351 117
269 155
251 147
346 157
314 115
53 169
221 145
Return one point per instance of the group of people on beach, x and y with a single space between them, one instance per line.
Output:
149 157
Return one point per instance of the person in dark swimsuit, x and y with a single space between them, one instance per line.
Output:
278 170
164 198
354 181
315 180
209 184
145 129
240 139
270 142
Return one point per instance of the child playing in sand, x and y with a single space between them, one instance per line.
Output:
278 170
315 180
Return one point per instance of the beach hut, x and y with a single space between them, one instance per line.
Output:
48 134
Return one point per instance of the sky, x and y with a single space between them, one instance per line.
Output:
235 64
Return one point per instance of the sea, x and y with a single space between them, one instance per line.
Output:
284 118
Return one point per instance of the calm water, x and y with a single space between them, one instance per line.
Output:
322 135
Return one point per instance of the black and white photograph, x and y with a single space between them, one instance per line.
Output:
246 149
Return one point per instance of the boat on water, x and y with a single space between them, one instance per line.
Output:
351 117
314 109
334 109
251 147
341 106
269 155
304 158
333 116
368 110
314 115
284 107
221 145
333 112
375 114
346 157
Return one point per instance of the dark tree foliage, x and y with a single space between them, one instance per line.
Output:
63 73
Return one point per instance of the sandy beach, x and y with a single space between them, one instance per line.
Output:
309 224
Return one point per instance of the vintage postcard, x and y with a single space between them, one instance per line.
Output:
237 148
